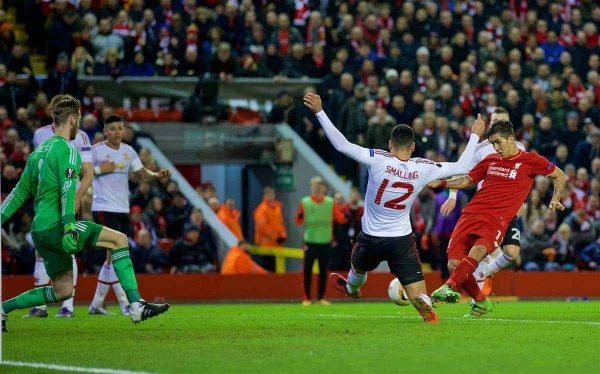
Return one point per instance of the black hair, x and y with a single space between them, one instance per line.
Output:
112 119
502 128
402 136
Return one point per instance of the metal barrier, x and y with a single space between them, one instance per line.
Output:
281 254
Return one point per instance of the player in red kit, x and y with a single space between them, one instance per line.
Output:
507 179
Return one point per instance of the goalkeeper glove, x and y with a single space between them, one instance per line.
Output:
70 238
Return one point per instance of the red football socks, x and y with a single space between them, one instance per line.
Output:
462 277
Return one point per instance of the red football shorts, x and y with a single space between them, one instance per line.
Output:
472 230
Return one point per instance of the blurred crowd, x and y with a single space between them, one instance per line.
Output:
433 65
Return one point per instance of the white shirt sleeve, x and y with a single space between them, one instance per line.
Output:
85 148
136 163
462 166
36 139
341 144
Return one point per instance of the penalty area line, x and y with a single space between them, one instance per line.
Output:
77 369
483 319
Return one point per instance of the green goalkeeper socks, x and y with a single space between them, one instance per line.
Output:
124 269
34 297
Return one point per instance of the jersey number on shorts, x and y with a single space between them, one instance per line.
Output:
516 234
394 203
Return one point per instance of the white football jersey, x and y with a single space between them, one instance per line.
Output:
81 141
392 188
393 184
111 190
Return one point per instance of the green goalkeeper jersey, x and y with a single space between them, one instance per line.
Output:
50 177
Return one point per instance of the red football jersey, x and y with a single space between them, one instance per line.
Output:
506 184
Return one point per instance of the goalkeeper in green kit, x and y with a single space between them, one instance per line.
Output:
50 178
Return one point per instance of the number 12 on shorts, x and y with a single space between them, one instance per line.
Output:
394 203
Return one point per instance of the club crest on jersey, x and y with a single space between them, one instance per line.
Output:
70 173
126 156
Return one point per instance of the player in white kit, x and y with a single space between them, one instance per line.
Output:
511 245
395 181
83 145
113 161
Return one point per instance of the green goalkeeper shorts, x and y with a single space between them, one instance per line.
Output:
48 243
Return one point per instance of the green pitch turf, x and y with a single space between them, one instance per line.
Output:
524 337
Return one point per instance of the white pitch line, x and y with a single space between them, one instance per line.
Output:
40 365
484 319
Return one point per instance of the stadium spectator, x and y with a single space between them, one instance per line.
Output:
63 26
18 61
139 67
154 217
142 195
145 256
317 213
582 228
565 250
588 149
224 64
176 214
82 63
534 208
538 253
230 216
189 255
379 129
61 79
106 40
239 261
191 64
207 238
14 95
282 108
590 256
111 66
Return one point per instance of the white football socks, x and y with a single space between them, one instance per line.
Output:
69 302
501 262
106 278
121 296
425 298
354 281
41 277
102 287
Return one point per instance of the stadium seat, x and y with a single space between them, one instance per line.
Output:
243 116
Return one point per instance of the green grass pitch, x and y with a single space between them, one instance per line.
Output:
523 337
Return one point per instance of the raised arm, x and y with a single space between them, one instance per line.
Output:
462 166
559 185
337 139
